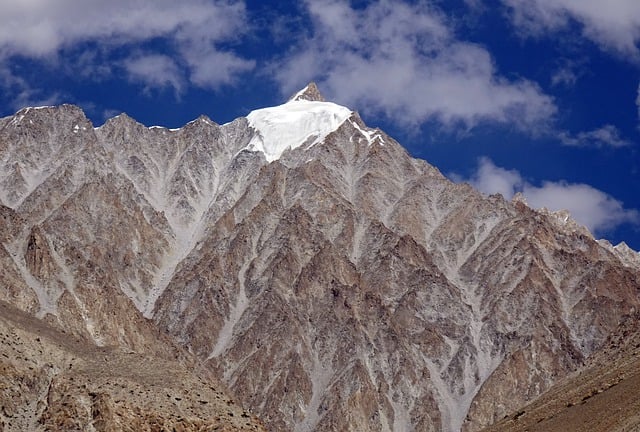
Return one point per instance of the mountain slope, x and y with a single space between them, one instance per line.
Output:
51 381
329 279
601 396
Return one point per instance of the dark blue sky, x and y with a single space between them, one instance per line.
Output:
535 96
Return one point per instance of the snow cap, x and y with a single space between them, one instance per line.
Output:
306 119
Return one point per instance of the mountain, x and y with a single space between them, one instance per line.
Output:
327 278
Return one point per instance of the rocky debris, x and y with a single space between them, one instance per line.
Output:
52 381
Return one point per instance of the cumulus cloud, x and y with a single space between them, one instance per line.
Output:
403 60
614 24
492 179
606 136
595 209
591 207
43 29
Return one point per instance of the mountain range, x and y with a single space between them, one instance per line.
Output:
293 269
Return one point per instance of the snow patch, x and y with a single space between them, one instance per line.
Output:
201 119
293 124
184 242
66 276
370 135
17 119
226 333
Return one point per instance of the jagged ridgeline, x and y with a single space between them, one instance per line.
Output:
305 260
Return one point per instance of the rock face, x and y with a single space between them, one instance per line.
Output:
332 282
601 396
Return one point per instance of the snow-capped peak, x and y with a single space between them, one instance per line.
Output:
309 93
293 124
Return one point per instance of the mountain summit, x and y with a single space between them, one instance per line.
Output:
302 121
309 93
330 280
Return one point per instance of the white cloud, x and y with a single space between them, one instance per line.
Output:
212 68
598 211
606 136
403 60
569 71
613 24
155 70
42 29
492 179
593 208
564 76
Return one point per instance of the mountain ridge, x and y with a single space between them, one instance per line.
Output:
343 285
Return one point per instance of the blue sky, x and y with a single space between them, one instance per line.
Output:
532 96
